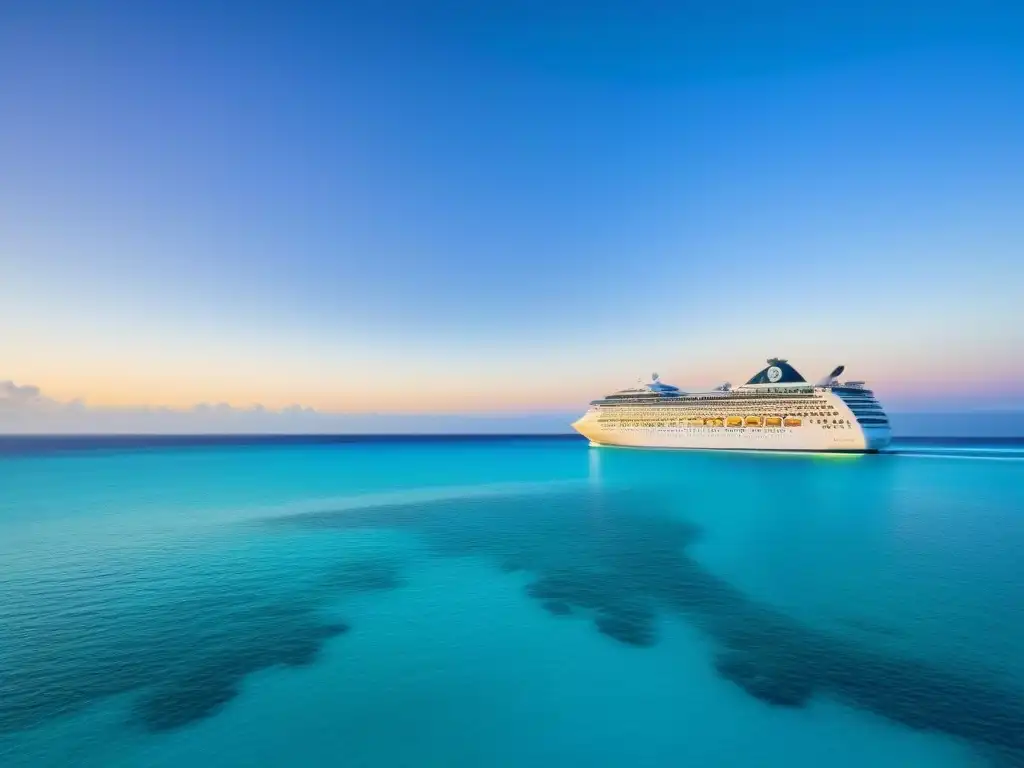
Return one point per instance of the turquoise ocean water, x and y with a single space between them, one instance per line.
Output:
508 602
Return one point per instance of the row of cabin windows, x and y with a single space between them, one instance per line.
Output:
677 422
721 404
632 413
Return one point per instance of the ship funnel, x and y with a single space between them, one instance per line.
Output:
831 378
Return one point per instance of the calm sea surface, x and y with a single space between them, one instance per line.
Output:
510 602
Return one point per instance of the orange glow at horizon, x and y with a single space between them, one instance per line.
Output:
431 397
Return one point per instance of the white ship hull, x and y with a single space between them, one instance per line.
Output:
666 427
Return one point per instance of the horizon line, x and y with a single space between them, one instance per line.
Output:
377 435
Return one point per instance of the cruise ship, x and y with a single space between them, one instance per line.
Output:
777 410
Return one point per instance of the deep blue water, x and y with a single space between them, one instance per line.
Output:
507 602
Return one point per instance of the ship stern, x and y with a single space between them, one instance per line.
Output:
877 439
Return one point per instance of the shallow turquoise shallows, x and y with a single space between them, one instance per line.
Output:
512 602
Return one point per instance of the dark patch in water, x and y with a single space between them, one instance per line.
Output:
777 686
627 628
185 701
203 688
616 558
182 656
624 617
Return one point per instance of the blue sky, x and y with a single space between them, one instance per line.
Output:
508 207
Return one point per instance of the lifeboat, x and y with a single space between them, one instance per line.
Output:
752 421
716 422
773 421
695 422
734 421
792 421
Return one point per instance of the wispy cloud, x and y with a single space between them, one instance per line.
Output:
13 395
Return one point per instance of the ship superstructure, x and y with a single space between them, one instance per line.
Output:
777 410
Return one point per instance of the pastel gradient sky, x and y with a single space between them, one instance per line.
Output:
508 206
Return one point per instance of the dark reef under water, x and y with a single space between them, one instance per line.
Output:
180 660
611 557
616 559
